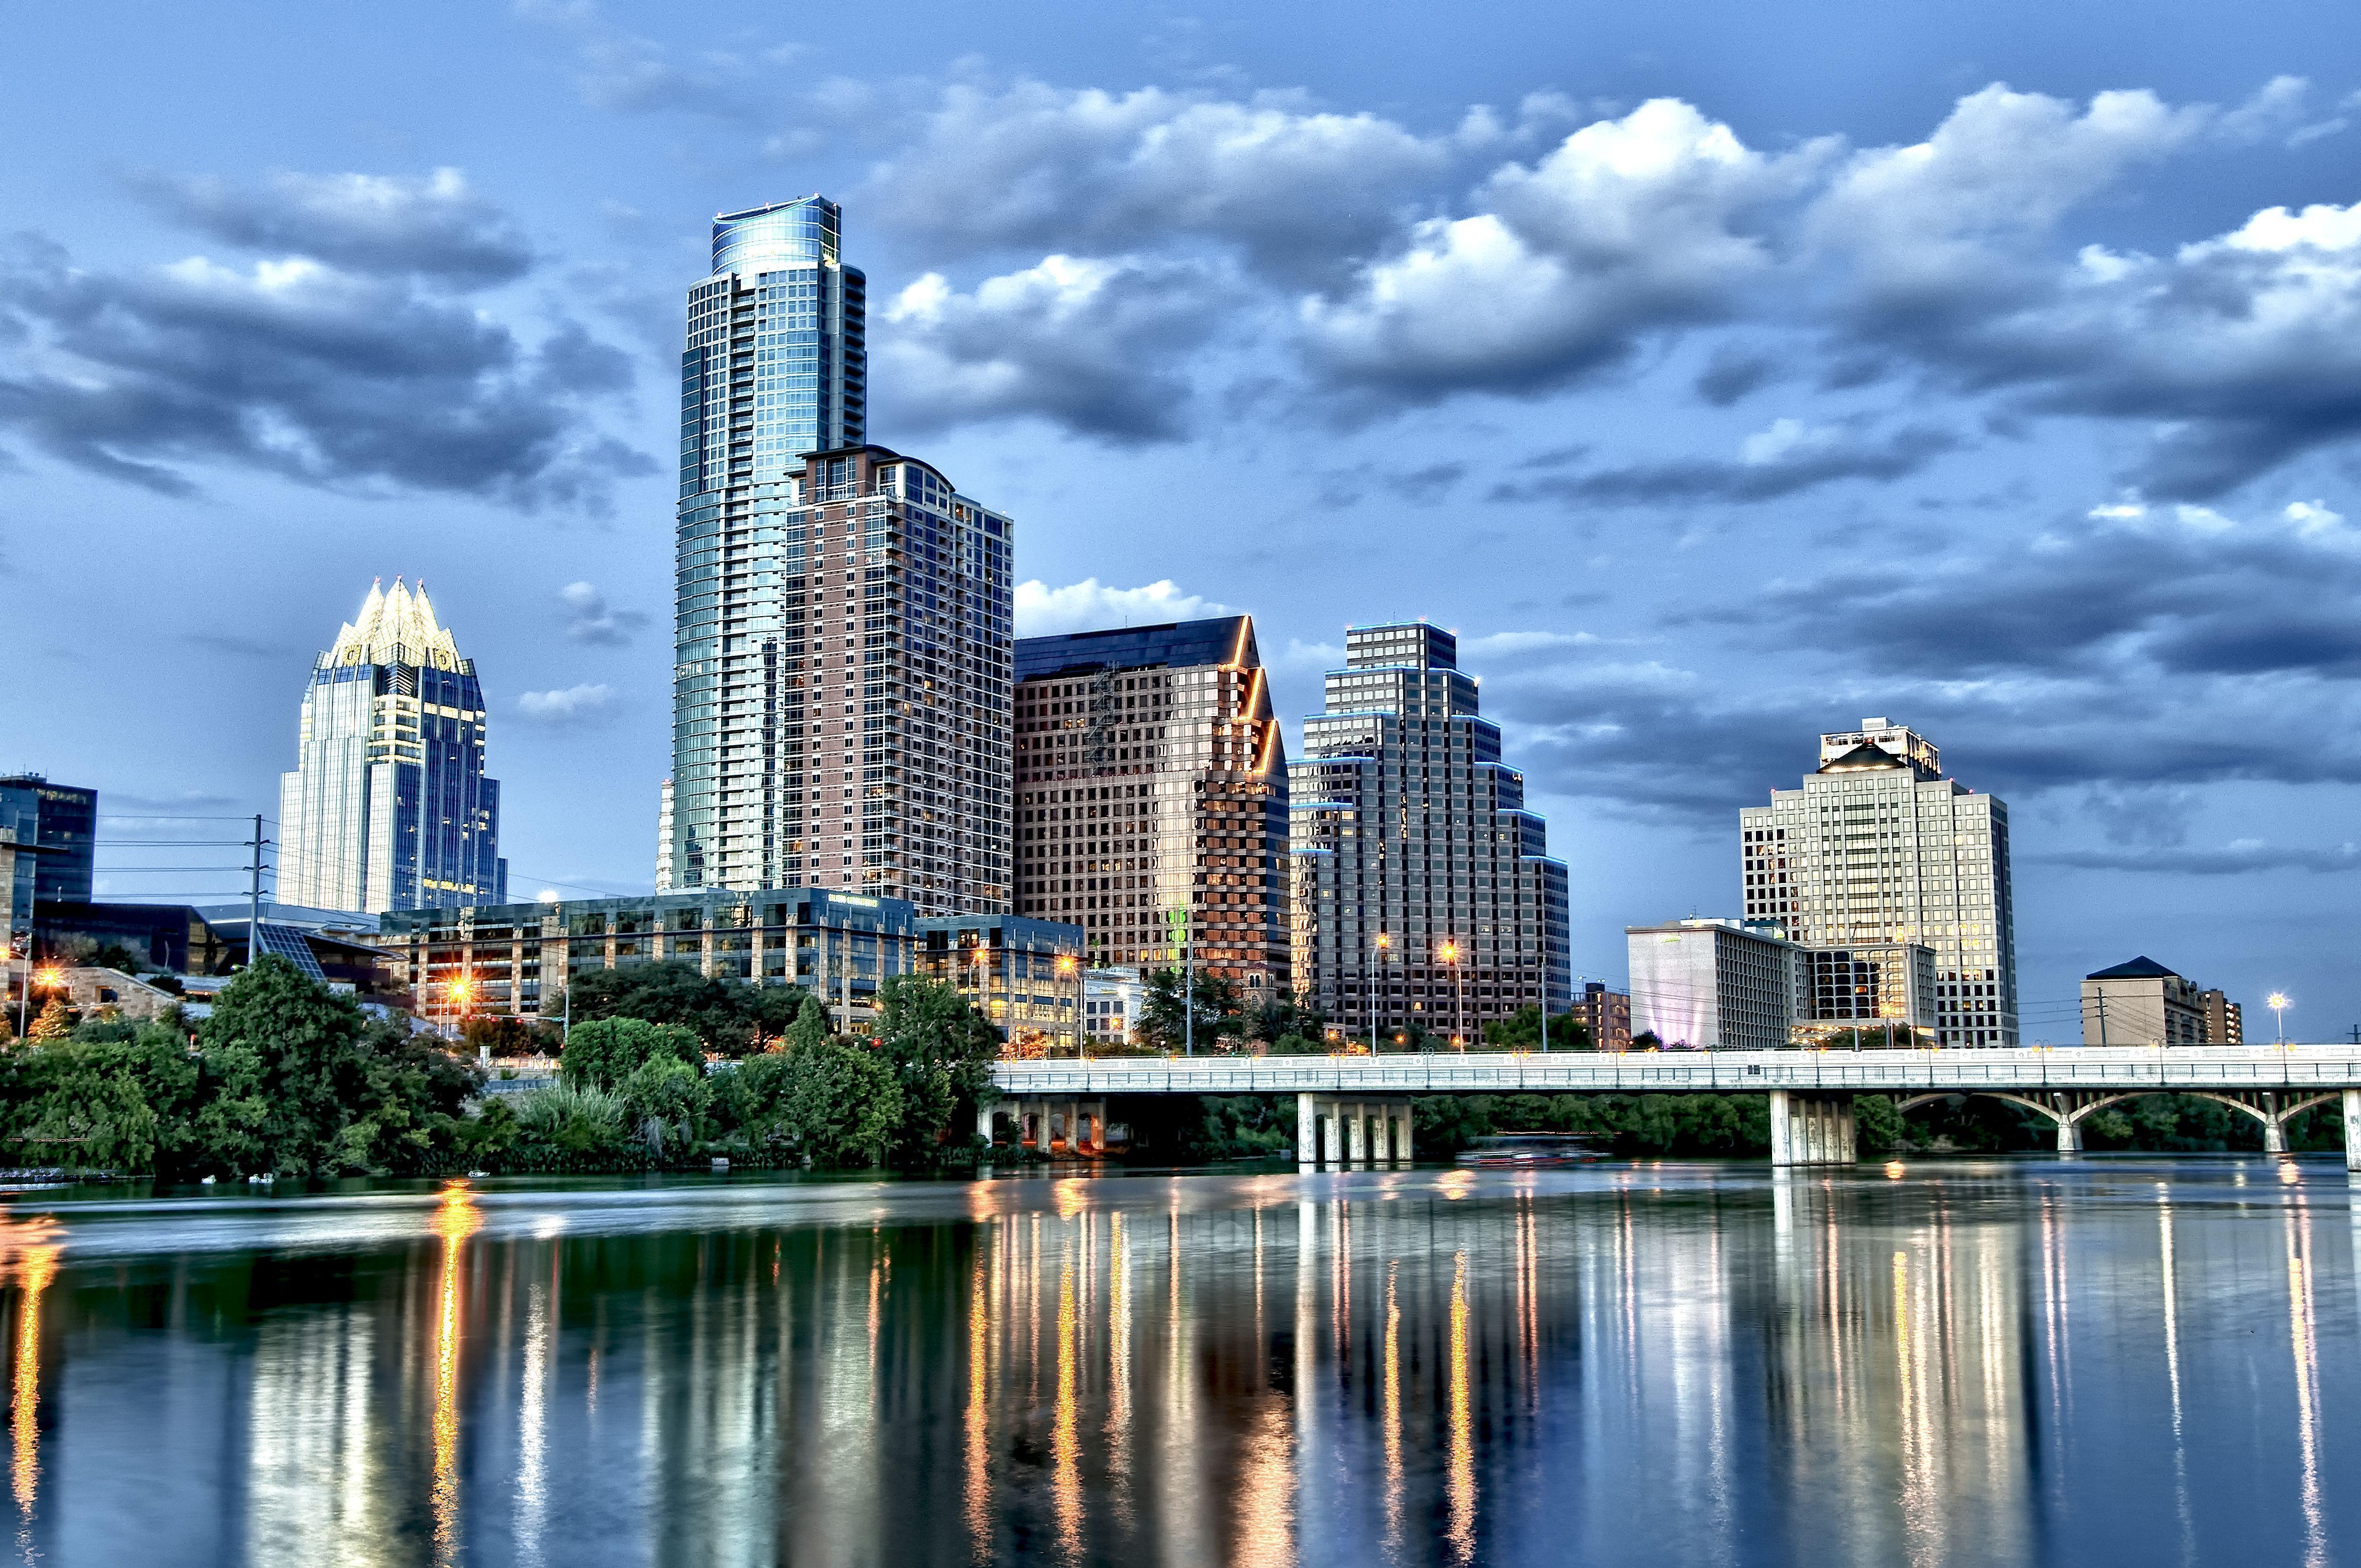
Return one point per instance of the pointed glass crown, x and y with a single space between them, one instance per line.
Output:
397 627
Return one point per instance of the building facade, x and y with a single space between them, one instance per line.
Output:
2142 1003
389 807
516 959
1114 1001
60 825
1151 778
1876 984
1879 846
1424 892
1606 1014
1715 984
842 690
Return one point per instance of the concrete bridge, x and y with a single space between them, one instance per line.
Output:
1358 1107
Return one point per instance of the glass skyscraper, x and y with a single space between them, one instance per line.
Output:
841 680
1424 891
388 806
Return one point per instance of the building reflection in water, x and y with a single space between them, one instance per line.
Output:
1627 1365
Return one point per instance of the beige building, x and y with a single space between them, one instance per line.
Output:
1878 846
2144 1004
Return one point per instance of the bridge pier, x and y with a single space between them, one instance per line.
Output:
2353 1129
1332 1129
1810 1129
1075 1127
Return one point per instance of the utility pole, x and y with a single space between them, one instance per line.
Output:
254 898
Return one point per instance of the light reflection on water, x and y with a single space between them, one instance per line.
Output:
1960 1364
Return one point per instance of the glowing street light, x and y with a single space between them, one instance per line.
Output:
1369 997
1067 966
1449 954
49 976
2278 1003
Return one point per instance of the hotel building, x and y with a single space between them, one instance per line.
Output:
842 675
388 806
1424 890
1879 846
1150 778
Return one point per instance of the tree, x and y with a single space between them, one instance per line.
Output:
1875 1038
941 1047
605 1052
1646 1040
55 1021
812 1025
669 1098
1522 1031
1214 1002
841 1103
730 1016
1281 1016
498 1035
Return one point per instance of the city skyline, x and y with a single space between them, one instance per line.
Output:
1694 521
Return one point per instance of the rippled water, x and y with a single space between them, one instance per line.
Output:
2107 1361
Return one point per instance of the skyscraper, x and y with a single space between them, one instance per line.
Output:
841 677
1151 777
1424 892
388 806
57 824
1879 846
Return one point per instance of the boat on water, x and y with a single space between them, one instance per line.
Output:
1524 1150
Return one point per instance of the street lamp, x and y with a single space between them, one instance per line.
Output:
459 993
2278 1002
1369 1000
1065 966
1449 954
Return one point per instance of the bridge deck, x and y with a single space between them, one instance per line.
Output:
1576 1072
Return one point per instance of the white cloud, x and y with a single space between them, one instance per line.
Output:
1091 606
590 619
570 706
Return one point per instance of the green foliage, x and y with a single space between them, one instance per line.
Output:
1875 1037
499 1036
1877 1126
841 1103
730 1016
668 1098
811 1025
1639 1124
1522 1031
1238 1126
1213 1004
606 1052
565 1127
1646 1040
1275 1020
1297 1045
941 1049
55 1021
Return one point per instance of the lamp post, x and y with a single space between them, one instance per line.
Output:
1067 966
2277 1002
48 977
459 992
1449 954
1385 951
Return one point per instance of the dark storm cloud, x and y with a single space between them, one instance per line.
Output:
1733 372
301 368
1783 461
2232 860
364 223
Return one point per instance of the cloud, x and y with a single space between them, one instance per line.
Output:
368 223
1088 343
590 619
626 73
299 368
1629 227
2237 858
1091 606
572 707
1781 460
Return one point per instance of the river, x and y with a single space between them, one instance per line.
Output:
2103 1361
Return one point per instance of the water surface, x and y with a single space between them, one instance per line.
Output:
2101 1361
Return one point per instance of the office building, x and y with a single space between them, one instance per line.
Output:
1151 778
1888 985
1607 1014
389 807
1426 894
1114 1001
515 959
1715 984
2141 1002
1027 975
1879 846
57 827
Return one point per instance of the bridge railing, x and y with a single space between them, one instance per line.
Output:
1871 1071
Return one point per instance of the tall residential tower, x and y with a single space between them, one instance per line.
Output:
1423 888
388 806
1151 778
1879 846
841 677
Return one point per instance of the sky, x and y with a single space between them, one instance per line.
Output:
1721 373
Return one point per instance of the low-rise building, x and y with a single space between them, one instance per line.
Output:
1026 975
1114 1002
1868 985
2142 1003
1606 1014
1715 984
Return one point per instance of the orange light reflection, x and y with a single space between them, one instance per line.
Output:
456 1219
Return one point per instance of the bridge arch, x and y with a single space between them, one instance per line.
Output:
2067 1109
